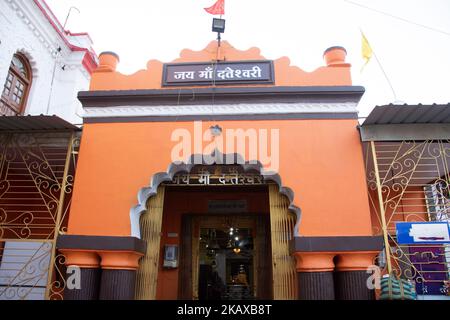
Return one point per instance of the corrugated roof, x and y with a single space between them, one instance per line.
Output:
34 123
409 114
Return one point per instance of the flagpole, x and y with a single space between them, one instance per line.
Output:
381 67
219 38
217 9
385 75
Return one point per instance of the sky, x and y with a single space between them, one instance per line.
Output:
413 49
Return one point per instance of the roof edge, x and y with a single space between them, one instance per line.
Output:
230 90
193 95
408 114
27 124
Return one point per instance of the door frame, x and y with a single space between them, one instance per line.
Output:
190 245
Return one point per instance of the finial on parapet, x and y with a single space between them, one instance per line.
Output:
108 62
335 56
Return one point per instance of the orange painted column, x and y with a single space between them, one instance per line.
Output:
353 276
315 275
108 266
83 276
82 259
119 270
335 275
104 275
336 267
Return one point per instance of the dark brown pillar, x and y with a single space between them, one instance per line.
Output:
119 271
346 259
118 285
352 285
88 266
315 275
352 275
108 265
316 286
90 286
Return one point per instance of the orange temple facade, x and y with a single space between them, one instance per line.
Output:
223 175
317 187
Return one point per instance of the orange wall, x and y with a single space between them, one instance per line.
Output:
178 203
321 160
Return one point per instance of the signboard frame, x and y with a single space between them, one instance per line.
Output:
404 238
267 73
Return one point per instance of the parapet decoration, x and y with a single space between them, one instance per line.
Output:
335 73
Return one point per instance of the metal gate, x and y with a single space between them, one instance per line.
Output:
36 180
409 181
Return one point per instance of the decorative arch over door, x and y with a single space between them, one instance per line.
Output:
146 222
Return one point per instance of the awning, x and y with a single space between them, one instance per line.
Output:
407 122
407 114
34 123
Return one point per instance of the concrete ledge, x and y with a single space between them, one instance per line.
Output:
337 244
97 243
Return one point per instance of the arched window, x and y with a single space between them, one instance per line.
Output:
17 86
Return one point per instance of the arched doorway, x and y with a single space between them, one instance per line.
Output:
264 269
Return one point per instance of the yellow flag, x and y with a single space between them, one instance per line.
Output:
367 51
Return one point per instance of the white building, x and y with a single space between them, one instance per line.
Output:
42 69
42 66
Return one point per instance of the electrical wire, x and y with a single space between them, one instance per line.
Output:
397 17
57 53
214 65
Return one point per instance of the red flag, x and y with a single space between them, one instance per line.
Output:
217 8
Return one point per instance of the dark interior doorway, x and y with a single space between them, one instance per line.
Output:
208 221
226 264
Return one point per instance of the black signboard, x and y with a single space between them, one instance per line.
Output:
222 73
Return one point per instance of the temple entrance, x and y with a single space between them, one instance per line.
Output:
226 263
217 233
231 255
